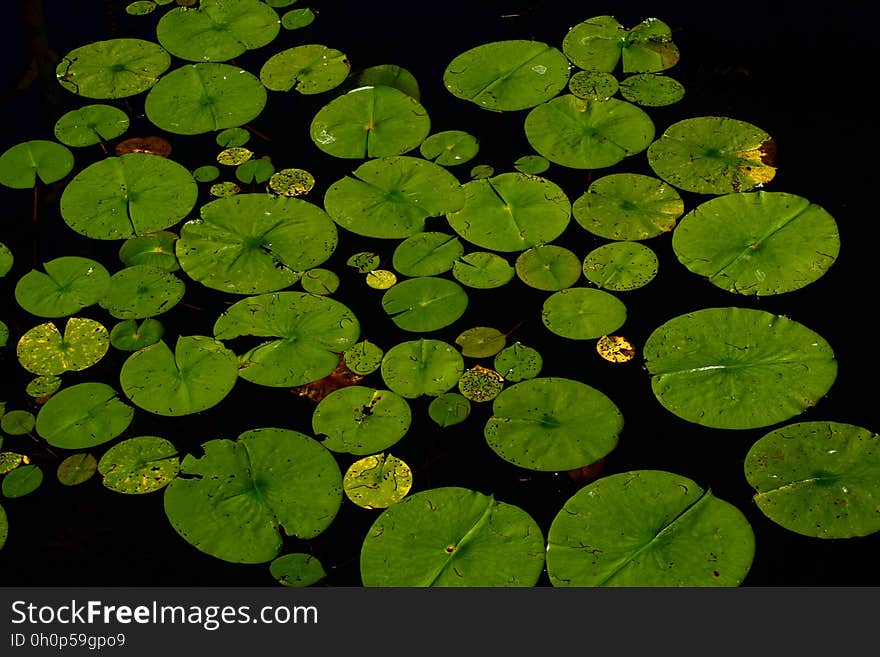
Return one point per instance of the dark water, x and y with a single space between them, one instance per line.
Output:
797 72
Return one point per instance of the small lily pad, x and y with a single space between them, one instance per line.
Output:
426 303
481 342
422 367
518 362
76 469
389 75
23 164
139 465
7 259
381 279
69 284
131 335
377 481
4 527
621 266
232 137
83 416
548 267
296 19
90 125
426 254
615 348
308 69
600 43
44 351
480 384
21 481
291 182
360 420
449 409
43 387
156 249
142 291
651 90
450 147
9 461
234 155
482 270
581 313
114 68
257 171
297 569
531 164
319 281
17 422
593 85
363 357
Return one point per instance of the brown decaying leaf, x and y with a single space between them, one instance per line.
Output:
338 378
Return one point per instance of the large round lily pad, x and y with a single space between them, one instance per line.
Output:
507 75
452 537
553 424
818 478
235 501
548 267
142 291
360 420
22 165
511 212
648 528
391 197
581 313
422 367
115 68
370 122
758 243
601 42
200 98
426 303
307 334
83 415
713 155
120 197
308 69
69 284
90 125
197 375
738 368
139 465
44 351
255 243
583 134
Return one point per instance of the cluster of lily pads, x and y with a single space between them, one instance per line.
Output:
261 236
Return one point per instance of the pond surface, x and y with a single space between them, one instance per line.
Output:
793 71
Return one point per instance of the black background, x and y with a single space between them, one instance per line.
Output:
801 72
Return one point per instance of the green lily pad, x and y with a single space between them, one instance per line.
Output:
296 19
482 270
370 122
507 75
583 134
142 291
426 254
593 85
232 137
83 416
391 197
44 351
234 502
531 164
207 173
518 362
552 424
4 527
450 147
651 90
360 420
480 384
69 284
389 75
255 243
309 69
9 461
156 249
737 368
292 182
90 125
21 165
511 212
200 98
377 481
648 528
255 171
713 155
548 267
308 333
319 281
131 335
17 423
217 30
197 375
234 156
140 7
621 266
139 465
628 206
4 334
76 469
449 409
121 197
601 42
43 386
426 303
452 537
758 243
7 259
482 171
581 313
224 189
363 357
481 342
422 367
297 569
115 68
818 478
22 481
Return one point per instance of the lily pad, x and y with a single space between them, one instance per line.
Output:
581 313
115 68
548 267
449 409
481 342
593 85
389 75
758 243
197 375
309 69
217 30
90 125
7 259
628 206
360 420
142 291
139 465
518 362
256 171
69 284
511 212
76 469
818 478
43 386
121 197
427 254
235 501
583 134
648 528
308 333
22 481
426 303
713 155
292 182
199 98
131 335
452 537
232 137
480 384
531 164
737 368
320 281
21 165
296 19
44 351
601 42
255 243
363 357
381 279
370 122
17 423
482 270
9 461
156 249
422 367
83 416
297 569
507 75
621 266
553 424
377 481
651 90
615 348
450 147
4 527
391 197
